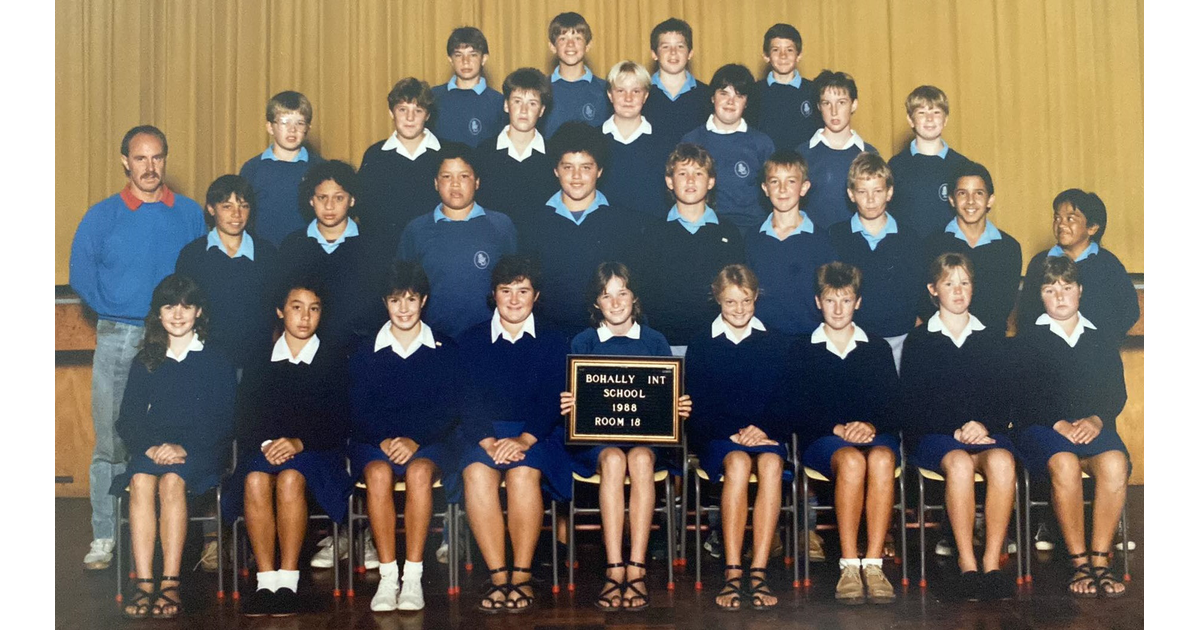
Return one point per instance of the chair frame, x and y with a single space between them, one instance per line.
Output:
933 475
1029 505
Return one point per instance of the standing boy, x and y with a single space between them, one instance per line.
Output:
832 148
786 107
923 171
887 252
468 110
678 103
578 94
739 150
275 174
787 249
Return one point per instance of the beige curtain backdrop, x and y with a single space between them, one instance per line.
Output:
1046 93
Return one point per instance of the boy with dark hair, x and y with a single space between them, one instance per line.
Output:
457 244
832 148
578 94
577 229
886 250
740 151
787 249
275 174
995 254
786 107
636 149
690 247
231 267
678 102
923 170
396 171
520 174
468 111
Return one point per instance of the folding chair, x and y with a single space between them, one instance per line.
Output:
933 475
123 519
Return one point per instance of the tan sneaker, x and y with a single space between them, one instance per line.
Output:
879 589
850 587
208 557
816 547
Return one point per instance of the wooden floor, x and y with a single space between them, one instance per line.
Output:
84 599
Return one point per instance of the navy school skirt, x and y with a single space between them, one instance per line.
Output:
1038 443
548 456
933 448
324 473
199 476
819 455
712 456
442 455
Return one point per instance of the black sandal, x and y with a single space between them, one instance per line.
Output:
158 611
758 587
611 590
522 598
1105 579
638 593
494 605
139 600
733 586
1083 573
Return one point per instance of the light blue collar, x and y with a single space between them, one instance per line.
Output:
438 215
452 84
912 149
856 226
990 233
351 231
1092 250
794 82
270 155
708 217
805 226
587 75
687 85
561 210
245 249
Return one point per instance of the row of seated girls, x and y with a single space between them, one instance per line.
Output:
486 409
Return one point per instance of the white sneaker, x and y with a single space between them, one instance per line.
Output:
1041 539
323 559
99 556
370 556
443 552
385 597
944 548
411 596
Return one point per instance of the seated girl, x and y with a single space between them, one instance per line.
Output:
960 431
403 410
733 374
1072 389
294 415
177 422
615 311
511 430
839 391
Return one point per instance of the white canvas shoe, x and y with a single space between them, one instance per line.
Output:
385 596
412 597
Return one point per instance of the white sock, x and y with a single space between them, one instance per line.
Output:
849 562
867 562
388 569
287 579
268 580
412 570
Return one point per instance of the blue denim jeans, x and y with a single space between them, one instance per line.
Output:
116 345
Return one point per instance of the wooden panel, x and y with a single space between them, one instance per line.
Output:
72 329
1131 424
73 435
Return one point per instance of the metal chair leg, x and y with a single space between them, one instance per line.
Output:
1017 526
117 549
1125 541
570 539
349 543
903 528
554 543
669 491
220 548
796 540
699 547
337 582
1028 530
921 524
804 491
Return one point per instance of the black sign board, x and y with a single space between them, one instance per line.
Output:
624 399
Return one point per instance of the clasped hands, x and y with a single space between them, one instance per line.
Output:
166 454
280 450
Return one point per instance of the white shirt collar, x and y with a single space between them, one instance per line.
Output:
605 334
385 338
855 140
1055 327
245 249
504 142
819 336
195 345
281 352
610 127
936 325
428 142
719 327
711 125
498 330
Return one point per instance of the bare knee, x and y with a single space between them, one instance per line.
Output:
641 459
258 486
523 478
171 487
379 477
479 477
1064 468
849 463
737 465
881 461
419 475
290 485
1110 469
957 464
1001 467
142 484
612 461
770 466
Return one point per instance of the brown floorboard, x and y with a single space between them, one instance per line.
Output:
84 599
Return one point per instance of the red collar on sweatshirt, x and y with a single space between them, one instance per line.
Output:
133 203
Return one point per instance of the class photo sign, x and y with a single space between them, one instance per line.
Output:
624 399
